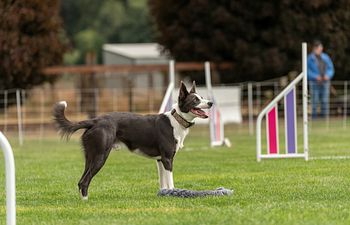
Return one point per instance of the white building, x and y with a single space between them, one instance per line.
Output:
134 54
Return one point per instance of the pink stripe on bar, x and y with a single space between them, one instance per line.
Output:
272 131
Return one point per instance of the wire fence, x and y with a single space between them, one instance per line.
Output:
29 112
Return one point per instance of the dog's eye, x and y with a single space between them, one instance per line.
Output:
197 99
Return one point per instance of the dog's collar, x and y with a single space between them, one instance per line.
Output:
181 120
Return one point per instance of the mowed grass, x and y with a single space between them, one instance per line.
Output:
287 191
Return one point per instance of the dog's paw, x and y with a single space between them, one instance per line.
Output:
84 198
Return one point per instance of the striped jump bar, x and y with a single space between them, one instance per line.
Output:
216 126
290 125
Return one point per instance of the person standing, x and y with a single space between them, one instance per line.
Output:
320 72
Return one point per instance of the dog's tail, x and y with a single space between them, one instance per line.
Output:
65 127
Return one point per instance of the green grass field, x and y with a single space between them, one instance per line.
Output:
287 191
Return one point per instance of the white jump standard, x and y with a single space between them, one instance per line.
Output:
271 114
217 132
216 126
10 180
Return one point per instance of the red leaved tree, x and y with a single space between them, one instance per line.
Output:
31 38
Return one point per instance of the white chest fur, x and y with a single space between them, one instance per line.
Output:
179 131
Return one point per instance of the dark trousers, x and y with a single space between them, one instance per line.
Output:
320 95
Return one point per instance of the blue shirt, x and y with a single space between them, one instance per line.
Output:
312 66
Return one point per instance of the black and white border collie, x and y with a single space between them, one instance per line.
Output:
155 136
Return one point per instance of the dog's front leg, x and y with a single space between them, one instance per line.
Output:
168 172
161 173
169 179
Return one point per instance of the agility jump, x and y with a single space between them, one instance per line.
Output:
217 133
270 112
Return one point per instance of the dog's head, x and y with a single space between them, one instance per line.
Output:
192 103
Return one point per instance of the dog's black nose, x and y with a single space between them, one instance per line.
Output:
210 104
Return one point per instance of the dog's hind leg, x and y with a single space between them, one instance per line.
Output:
97 145
85 169
95 165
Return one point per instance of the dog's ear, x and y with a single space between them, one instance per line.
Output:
193 89
183 91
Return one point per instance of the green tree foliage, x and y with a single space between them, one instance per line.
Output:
113 21
31 38
262 38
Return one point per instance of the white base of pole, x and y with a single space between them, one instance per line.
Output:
276 156
226 142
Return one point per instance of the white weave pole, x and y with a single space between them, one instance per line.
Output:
305 99
172 71
208 77
10 180
169 91
223 141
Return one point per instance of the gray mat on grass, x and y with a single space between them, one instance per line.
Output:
183 193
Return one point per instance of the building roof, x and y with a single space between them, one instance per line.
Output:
136 51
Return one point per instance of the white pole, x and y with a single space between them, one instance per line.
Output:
170 88
19 117
258 136
172 76
211 95
208 77
207 73
172 72
305 99
250 108
10 180
23 111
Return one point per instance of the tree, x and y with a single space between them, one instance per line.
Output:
261 38
31 38
115 21
90 23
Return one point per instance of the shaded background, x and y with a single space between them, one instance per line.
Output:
261 38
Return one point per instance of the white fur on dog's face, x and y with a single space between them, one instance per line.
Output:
191 104
203 102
